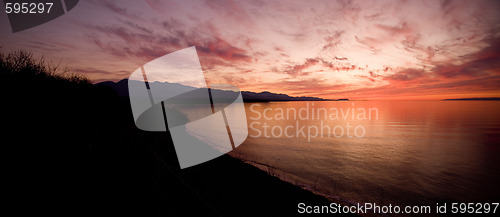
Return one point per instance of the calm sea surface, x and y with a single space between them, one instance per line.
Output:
405 153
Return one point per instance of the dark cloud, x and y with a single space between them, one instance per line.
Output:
297 70
233 11
480 73
333 41
481 63
120 32
334 65
222 49
310 86
365 77
111 49
172 24
142 45
476 67
405 75
403 28
350 9
370 42
340 58
116 9
136 26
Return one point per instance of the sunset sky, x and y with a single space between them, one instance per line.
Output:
329 49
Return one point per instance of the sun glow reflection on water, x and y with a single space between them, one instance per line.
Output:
415 152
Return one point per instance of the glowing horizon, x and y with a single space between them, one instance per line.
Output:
416 50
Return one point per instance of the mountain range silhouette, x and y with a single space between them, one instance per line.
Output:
121 87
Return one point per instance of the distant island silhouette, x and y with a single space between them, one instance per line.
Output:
474 99
121 87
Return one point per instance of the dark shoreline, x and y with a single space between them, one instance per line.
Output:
73 149
108 166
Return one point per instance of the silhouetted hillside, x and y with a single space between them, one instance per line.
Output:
72 148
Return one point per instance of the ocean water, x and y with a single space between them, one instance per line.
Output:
384 152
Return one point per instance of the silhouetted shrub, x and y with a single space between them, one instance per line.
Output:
22 64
